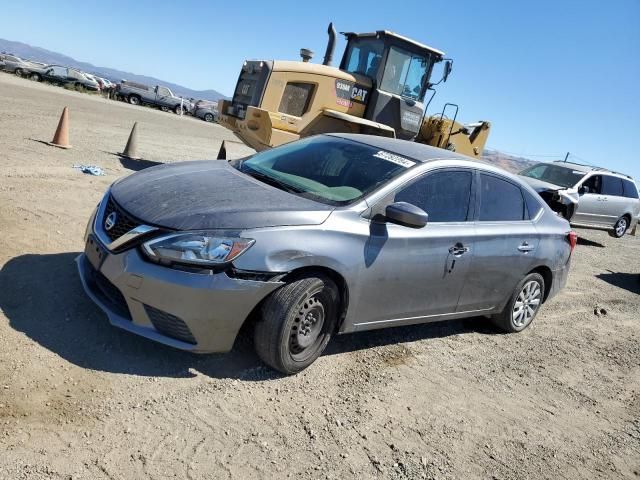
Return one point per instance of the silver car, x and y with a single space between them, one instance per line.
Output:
327 235
587 196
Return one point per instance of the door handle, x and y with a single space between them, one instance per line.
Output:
525 247
458 249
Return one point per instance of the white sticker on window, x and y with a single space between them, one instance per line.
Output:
397 159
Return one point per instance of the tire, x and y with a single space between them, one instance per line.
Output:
164 109
509 320
208 117
134 100
620 228
178 110
35 77
286 337
19 72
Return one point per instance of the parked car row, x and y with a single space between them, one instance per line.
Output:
131 92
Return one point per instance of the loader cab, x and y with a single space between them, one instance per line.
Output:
400 70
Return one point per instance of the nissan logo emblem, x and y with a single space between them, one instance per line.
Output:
110 221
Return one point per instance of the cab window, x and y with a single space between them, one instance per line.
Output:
594 184
364 56
443 195
404 73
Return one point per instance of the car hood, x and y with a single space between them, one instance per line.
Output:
540 185
211 194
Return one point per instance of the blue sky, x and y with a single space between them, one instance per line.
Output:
551 76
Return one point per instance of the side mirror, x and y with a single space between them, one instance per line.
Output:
448 65
583 189
405 214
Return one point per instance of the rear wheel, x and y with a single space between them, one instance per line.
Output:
620 228
523 305
19 72
134 100
179 110
35 77
164 109
297 322
208 117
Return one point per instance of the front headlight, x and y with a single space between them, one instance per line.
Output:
196 248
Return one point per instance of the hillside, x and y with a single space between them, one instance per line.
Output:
47 56
507 162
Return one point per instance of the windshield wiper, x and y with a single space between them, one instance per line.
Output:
274 182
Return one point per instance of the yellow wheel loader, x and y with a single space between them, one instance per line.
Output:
379 89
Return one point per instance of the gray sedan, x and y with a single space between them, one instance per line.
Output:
327 235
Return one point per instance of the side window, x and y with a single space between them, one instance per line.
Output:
594 184
443 195
630 190
163 92
611 186
533 204
296 98
500 200
59 71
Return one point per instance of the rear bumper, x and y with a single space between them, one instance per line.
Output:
559 279
190 311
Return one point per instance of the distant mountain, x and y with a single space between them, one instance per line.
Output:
507 162
28 52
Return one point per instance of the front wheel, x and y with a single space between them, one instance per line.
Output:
35 77
19 72
179 110
134 100
523 305
297 322
208 117
620 228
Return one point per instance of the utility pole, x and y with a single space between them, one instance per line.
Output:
566 157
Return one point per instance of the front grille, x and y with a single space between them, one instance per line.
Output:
250 87
108 293
170 325
124 221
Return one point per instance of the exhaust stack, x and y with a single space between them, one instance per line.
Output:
331 45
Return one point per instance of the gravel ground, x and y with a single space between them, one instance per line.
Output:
80 399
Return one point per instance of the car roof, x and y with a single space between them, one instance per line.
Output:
590 168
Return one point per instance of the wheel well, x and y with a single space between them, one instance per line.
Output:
547 277
338 279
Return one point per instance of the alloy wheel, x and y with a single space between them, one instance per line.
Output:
526 304
621 227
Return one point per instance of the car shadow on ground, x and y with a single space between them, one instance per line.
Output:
136 165
589 243
42 297
628 281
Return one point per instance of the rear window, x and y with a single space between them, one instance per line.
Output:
500 200
296 98
611 186
630 190
548 172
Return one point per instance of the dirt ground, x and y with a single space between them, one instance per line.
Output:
80 399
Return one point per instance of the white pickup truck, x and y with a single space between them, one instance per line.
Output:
140 94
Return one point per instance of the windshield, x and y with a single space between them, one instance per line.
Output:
330 170
562 176
363 56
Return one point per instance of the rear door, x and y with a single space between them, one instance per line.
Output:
614 201
505 243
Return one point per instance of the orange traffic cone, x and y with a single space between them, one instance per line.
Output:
131 149
61 137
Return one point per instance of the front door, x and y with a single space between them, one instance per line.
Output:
414 274
592 202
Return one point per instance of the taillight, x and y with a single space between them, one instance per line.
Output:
572 237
